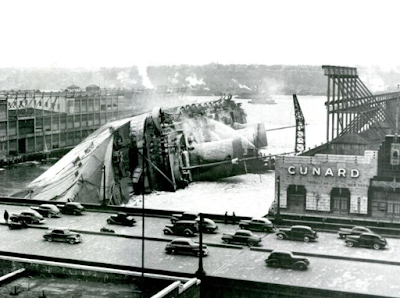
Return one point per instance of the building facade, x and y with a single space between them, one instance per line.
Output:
330 184
342 185
35 122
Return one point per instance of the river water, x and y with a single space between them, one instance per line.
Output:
246 195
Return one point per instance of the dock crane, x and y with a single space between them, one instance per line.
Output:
300 144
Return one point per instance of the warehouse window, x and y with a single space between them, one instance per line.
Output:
382 206
393 208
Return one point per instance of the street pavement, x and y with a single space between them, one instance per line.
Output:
245 264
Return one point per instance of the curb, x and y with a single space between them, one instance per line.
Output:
224 245
131 236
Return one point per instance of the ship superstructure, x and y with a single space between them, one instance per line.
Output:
164 149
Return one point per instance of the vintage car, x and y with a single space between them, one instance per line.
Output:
12 225
242 237
366 240
304 233
257 224
63 235
286 259
121 219
209 226
106 230
357 230
184 216
47 210
28 216
73 208
182 227
185 246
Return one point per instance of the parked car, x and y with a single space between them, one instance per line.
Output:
47 210
184 216
106 230
357 230
28 216
185 246
182 227
242 237
257 224
63 235
17 225
304 233
286 259
73 208
366 240
121 219
209 226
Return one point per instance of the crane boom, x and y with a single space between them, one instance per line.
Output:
300 144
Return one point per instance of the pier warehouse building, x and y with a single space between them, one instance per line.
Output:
331 184
36 123
342 185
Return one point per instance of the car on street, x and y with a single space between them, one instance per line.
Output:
245 237
47 210
366 240
304 233
286 259
121 218
357 230
184 216
209 226
63 235
185 246
257 224
182 227
28 216
12 225
73 208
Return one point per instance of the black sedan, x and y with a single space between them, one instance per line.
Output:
63 235
121 219
367 240
28 216
286 259
185 246
47 210
257 224
208 225
73 208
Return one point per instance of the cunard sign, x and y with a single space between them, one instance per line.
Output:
327 172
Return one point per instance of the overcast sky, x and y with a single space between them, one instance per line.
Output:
85 33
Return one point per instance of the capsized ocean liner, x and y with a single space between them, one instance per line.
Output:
164 149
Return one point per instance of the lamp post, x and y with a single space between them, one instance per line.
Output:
278 218
104 203
200 272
